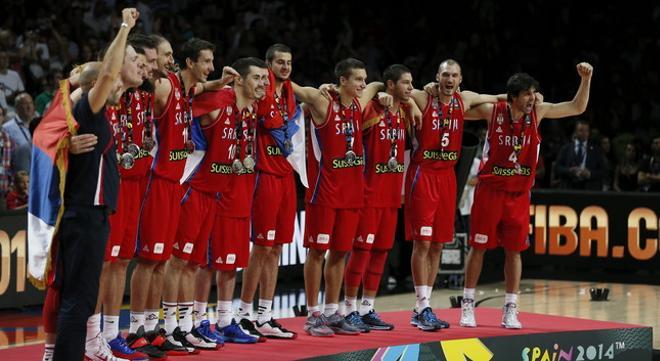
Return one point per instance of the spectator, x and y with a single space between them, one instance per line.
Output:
580 164
18 129
610 162
18 197
10 82
649 173
626 173
52 82
6 148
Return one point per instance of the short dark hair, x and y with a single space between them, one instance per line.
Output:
242 65
193 47
394 73
158 39
139 42
520 82
346 66
270 53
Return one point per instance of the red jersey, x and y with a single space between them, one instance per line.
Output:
438 145
334 182
269 155
214 172
236 201
383 137
171 133
139 102
504 165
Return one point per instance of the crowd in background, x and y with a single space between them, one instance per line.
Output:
41 41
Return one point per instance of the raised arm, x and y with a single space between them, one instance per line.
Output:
112 62
576 106
228 76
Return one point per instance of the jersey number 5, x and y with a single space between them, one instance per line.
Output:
445 140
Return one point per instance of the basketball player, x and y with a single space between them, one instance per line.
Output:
232 126
384 138
430 188
337 194
274 205
500 213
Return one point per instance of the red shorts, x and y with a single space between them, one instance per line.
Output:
159 218
499 219
376 229
195 222
430 205
124 223
273 209
230 243
330 228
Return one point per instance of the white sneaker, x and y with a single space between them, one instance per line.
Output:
273 329
467 313
97 349
510 316
199 342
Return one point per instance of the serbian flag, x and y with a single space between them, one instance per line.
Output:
204 104
294 127
50 155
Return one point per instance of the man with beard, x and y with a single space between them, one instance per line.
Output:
500 213
274 205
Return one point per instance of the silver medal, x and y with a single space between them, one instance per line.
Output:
237 166
518 168
127 161
133 149
350 157
248 162
392 164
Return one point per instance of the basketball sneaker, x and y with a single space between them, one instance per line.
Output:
317 325
355 320
467 313
510 316
273 329
373 320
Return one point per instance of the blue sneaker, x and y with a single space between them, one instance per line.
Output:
413 318
373 320
204 331
438 322
120 349
234 333
355 320
426 320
